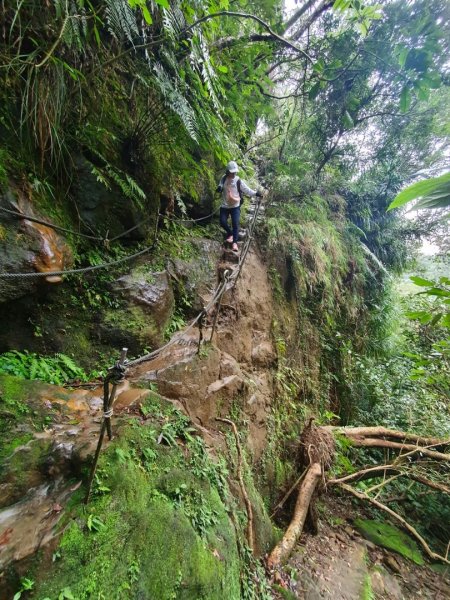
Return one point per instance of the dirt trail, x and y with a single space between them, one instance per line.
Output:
338 564
234 368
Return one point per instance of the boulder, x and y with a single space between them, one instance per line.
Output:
263 355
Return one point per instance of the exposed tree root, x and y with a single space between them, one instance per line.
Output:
400 519
293 532
248 504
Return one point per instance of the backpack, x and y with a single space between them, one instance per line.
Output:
238 184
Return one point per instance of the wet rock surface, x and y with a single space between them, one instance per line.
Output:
147 305
43 457
26 246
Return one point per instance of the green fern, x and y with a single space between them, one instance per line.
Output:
69 364
121 21
75 28
176 101
57 369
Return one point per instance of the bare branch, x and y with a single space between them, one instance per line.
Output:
288 493
293 532
272 34
381 443
296 16
321 8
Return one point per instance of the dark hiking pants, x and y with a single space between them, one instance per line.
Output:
235 216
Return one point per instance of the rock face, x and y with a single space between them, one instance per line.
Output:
26 246
148 306
197 276
104 209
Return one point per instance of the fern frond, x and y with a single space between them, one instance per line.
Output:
121 21
175 100
174 22
69 363
76 28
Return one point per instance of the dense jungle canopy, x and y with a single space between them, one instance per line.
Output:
117 118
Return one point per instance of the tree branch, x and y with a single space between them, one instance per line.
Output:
411 448
388 433
322 7
293 532
390 469
273 34
296 16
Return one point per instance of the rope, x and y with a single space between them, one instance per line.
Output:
71 231
72 271
108 413
51 225
218 291
124 233
190 220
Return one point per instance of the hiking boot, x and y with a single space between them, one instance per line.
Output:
229 239
234 247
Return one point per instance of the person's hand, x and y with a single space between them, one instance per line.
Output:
219 189
259 194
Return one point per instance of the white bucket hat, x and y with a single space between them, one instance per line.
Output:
232 167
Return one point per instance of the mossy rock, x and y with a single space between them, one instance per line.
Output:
386 535
131 327
145 543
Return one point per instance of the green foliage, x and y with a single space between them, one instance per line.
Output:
58 369
164 503
26 585
431 193
386 535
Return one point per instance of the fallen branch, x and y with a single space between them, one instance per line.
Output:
441 487
370 473
288 493
293 532
390 469
401 520
248 504
411 448
387 433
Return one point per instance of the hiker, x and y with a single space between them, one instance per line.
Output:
233 188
